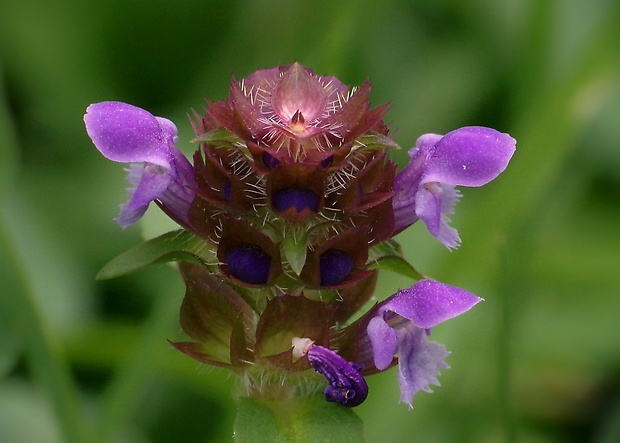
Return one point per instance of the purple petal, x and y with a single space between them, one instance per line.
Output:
470 156
384 340
434 202
419 361
168 128
406 185
128 134
425 142
428 207
150 182
428 303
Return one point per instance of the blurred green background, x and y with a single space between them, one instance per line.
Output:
538 361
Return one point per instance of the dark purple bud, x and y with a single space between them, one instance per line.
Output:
270 161
226 190
249 263
346 385
327 162
297 197
335 266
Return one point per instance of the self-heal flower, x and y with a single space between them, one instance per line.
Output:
291 202
470 156
399 326
128 134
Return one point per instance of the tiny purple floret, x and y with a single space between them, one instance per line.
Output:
469 156
400 326
158 171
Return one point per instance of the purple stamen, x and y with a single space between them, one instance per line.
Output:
346 385
299 198
335 266
249 263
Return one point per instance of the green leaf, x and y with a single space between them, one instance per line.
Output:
388 255
257 423
396 264
297 420
173 246
388 247
294 249
320 421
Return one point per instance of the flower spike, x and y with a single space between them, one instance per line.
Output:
291 203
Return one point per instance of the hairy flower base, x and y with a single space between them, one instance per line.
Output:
290 207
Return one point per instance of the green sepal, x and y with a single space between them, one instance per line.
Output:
294 249
177 245
297 420
376 141
210 312
218 137
288 316
388 247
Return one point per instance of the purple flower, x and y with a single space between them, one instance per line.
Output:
400 325
470 156
128 134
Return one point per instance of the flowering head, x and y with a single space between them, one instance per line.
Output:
290 207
